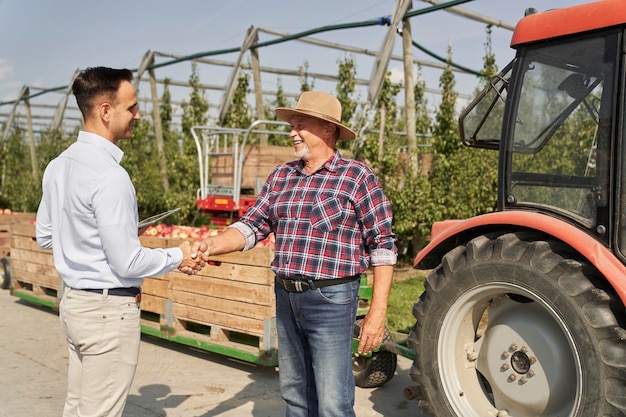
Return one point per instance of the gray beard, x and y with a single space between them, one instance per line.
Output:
304 153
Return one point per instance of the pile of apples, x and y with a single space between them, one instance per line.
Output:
195 233
5 211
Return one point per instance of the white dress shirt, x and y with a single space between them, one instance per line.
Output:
88 217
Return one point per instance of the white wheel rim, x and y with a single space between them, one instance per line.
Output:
541 374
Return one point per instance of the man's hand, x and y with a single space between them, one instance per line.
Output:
200 247
373 326
230 240
372 332
189 265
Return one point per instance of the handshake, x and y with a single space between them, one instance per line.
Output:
191 265
196 255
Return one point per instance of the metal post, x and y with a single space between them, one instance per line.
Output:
58 117
7 129
251 38
409 91
258 90
31 141
158 131
382 59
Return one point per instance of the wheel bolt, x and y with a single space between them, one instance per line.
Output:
531 373
505 367
524 349
513 347
532 359
512 377
505 355
502 413
523 380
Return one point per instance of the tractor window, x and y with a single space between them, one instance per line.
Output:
481 122
562 129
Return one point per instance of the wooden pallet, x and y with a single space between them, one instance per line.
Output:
228 307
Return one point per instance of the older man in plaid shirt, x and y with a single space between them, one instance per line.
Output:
332 221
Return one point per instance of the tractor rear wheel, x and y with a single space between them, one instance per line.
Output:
512 325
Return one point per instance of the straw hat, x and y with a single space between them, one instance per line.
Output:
323 106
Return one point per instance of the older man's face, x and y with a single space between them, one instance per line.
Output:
308 133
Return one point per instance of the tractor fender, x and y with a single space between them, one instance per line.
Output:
448 234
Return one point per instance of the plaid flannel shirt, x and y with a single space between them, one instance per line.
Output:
330 224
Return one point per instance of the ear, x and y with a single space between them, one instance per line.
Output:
332 130
105 112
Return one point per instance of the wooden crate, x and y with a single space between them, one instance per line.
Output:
228 307
259 163
32 268
155 290
6 222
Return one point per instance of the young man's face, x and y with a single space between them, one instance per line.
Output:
123 112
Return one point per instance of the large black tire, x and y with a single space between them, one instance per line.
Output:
5 270
511 325
375 370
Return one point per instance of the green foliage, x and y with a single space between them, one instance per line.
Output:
141 158
445 130
165 106
279 101
19 189
462 185
490 69
195 110
422 115
370 150
408 190
238 115
141 162
305 83
404 293
463 181
345 89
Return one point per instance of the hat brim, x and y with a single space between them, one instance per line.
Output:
286 114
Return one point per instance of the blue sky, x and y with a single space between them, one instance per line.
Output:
43 42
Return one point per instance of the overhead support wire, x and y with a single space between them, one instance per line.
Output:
446 60
381 21
473 15
353 49
383 56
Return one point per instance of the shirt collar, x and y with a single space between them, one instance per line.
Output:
101 142
330 165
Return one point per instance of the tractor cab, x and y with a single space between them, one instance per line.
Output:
555 113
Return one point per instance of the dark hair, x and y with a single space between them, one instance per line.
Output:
94 82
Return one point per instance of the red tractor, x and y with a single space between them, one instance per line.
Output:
523 313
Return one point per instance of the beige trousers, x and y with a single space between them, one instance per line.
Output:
103 334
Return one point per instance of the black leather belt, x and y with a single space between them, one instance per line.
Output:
301 285
122 292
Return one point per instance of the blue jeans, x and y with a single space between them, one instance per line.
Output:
315 330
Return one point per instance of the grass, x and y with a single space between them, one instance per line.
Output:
404 293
